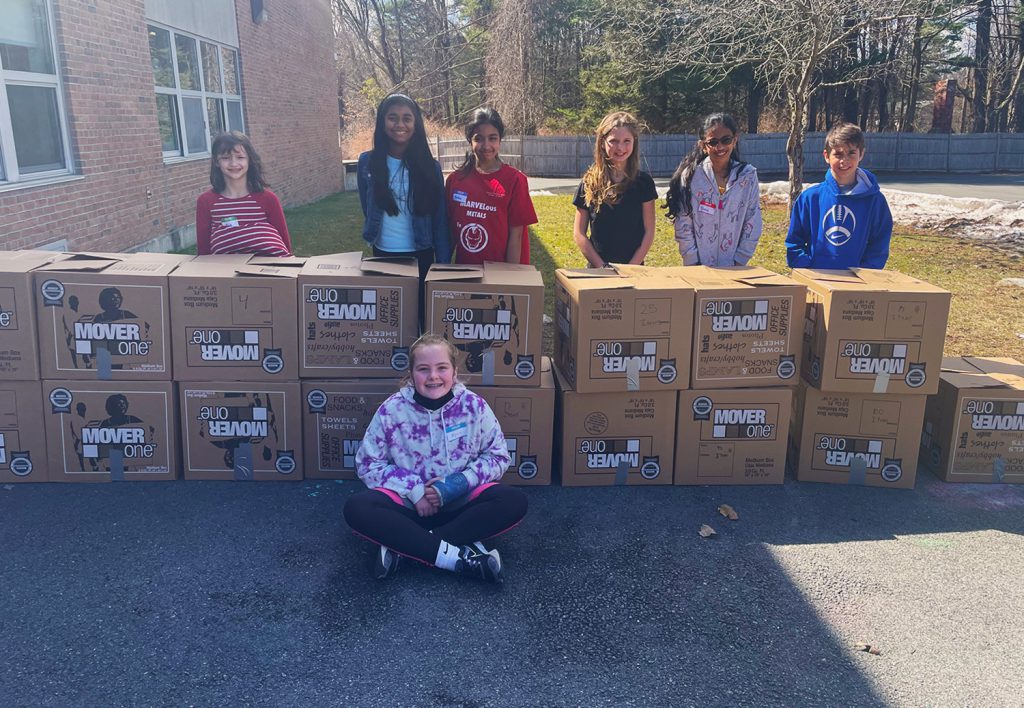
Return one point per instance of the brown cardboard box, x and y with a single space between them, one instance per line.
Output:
335 415
872 331
626 328
858 438
101 431
357 316
746 327
492 313
233 318
733 436
615 438
19 348
974 425
105 316
22 437
241 431
527 418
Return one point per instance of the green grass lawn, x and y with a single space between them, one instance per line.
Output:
986 319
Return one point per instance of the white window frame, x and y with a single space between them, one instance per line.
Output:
10 174
179 93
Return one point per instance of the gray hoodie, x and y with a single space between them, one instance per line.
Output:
721 230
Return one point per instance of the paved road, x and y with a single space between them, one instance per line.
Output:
255 593
1007 187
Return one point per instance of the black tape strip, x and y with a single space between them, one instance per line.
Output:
622 473
858 471
104 363
116 464
243 462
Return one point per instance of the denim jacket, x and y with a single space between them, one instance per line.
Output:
428 231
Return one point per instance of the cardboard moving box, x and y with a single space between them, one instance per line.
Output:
358 316
857 438
873 331
335 415
974 425
233 318
102 431
22 435
492 313
19 344
241 431
527 418
105 316
733 436
746 327
615 438
626 328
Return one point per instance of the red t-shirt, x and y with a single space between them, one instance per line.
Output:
250 224
482 208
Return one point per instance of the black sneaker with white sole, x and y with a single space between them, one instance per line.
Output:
479 564
385 563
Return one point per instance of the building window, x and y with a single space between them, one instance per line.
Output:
197 90
33 139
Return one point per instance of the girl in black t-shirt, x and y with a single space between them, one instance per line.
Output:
615 200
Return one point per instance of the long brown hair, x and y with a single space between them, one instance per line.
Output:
598 187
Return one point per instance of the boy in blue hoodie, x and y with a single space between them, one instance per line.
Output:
844 222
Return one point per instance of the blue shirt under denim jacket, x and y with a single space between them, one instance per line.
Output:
428 231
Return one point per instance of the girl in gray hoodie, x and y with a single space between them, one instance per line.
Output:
714 199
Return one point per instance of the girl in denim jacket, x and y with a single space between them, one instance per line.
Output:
714 199
401 190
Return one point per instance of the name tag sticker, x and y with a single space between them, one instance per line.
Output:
231 221
707 207
454 432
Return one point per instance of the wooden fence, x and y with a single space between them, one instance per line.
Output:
559 156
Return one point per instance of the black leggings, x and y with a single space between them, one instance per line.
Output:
378 517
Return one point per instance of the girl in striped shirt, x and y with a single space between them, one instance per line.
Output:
239 215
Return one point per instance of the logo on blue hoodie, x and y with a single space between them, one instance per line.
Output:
839 224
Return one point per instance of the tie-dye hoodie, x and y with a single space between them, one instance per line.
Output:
407 445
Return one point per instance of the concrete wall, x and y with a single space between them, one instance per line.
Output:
561 156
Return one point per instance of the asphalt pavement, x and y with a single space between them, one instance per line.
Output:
247 593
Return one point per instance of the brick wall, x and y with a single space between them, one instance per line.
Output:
126 195
289 86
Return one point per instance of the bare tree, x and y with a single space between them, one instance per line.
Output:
513 73
788 42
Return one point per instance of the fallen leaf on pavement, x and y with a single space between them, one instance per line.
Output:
706 531
728 512
869 648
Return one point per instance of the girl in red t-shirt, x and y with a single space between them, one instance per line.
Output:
489 203
239 215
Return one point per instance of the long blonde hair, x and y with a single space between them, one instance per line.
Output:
598 187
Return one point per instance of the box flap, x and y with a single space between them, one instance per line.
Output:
268 271
82 262
455 272
404 267
995 365
583 273
276 261
815 275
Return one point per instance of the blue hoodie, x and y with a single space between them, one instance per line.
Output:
831 230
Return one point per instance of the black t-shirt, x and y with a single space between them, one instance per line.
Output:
616 231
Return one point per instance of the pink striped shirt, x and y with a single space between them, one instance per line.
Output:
250 224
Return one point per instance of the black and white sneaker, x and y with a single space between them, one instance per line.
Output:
480 564
385 563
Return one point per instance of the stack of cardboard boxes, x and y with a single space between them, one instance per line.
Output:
103 325
974 425
622 353
872 353
733 426
23 451
357 319
493 315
